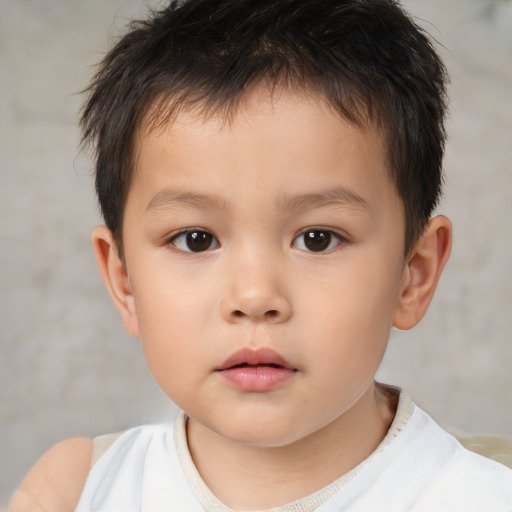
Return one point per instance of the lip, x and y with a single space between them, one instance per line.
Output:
256 371
262 356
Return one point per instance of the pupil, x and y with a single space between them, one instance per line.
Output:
198 241
317 240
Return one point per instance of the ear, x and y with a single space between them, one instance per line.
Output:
422 272
114 273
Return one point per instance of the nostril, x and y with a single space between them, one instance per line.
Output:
270 314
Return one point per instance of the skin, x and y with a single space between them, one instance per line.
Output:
285 166
55 482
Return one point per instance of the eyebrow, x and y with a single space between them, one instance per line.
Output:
171 198
339 196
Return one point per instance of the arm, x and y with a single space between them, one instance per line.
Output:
56 481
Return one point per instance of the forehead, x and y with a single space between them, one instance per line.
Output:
259 106
260 100
296 136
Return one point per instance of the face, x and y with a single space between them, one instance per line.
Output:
265 264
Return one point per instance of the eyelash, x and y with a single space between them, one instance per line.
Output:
327 239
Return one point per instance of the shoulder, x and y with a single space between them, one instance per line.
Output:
470 482
459 476
137 462
56 480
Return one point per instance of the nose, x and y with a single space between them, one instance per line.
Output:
256 292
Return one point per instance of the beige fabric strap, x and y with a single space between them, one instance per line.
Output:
493 447
101 444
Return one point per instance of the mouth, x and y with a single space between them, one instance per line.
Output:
256 371
247 358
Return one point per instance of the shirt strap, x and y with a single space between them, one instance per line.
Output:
101 444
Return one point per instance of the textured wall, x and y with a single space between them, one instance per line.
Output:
66 366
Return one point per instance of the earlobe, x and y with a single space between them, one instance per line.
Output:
114 273
422 272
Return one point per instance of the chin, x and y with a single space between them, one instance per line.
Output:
262 434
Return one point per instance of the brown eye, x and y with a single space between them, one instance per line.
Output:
317 240
195 241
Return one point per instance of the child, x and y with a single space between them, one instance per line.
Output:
267 171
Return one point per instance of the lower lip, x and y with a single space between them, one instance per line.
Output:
257 379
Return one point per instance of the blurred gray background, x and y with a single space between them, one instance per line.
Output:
67 367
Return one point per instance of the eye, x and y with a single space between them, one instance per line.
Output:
317 240
195 240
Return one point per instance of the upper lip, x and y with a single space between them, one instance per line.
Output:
262 356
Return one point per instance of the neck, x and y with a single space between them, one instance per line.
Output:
255 478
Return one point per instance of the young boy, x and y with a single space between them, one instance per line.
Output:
267 171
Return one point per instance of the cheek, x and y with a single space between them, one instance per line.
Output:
168 299
171 320
353 314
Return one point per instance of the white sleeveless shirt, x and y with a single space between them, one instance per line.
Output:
417 467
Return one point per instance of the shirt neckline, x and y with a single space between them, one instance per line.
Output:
211 503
